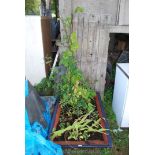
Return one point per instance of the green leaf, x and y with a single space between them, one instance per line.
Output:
32 7
73 42
79 10
67 22
90 107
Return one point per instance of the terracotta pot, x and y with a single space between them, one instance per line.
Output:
105 143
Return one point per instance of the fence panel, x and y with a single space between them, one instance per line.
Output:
93 38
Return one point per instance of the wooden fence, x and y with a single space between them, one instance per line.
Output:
93 38
93 28
47 40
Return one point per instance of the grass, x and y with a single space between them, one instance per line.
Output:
90 151
120 139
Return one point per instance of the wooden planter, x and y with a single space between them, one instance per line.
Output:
105 143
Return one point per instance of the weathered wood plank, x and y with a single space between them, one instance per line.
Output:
98 7
80 38
95 49
91 31
102 56
118 29
64 11
83 59
46 38
93 38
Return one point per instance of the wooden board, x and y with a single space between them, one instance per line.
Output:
93 28
93 38
47 38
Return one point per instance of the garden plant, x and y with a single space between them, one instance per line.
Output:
79 118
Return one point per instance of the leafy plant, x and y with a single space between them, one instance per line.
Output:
73 88
32 7
79 10
44 88
76 96
80 126
120 140
54 6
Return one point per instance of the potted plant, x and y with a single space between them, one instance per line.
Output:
78 119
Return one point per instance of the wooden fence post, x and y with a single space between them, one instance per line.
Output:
47 40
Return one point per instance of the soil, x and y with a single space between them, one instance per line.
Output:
93 136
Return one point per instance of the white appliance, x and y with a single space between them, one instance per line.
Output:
120 102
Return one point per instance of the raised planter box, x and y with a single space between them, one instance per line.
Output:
106 141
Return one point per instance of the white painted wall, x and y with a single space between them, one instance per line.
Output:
34 56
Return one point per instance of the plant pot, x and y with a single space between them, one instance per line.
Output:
105 142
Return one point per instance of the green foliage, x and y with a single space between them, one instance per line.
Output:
107 151
79 10
32 7
76 96
73 88
53 6
67 22
44 88
120 139
73 43
80 129
108 102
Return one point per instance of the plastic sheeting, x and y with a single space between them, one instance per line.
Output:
35 133
48 101
35 107
36 144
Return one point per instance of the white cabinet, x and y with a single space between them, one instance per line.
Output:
120 97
